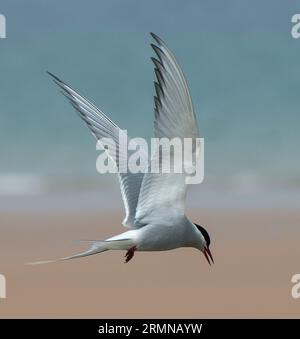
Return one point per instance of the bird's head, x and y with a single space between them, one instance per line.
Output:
205 243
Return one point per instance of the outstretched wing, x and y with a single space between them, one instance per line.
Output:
164 194
101 126
174 113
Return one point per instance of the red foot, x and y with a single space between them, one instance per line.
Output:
130 253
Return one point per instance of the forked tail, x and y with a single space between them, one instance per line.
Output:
97 246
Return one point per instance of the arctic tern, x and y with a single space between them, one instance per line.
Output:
154 202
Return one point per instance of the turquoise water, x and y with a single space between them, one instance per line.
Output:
242 65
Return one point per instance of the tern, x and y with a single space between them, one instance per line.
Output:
154 202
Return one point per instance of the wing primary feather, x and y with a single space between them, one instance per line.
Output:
162 196
157 38
102 126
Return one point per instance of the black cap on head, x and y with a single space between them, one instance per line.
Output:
204 233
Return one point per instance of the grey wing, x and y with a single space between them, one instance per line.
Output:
163 195
174 113
101 126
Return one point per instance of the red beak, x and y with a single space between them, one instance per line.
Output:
208 255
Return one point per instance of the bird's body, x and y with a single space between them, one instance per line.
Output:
162 237
154 202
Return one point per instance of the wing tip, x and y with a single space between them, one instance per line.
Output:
53 76
157 38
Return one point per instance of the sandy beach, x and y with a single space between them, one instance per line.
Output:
256 253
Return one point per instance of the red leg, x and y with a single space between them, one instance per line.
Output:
130 253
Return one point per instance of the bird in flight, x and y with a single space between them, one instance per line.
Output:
154 202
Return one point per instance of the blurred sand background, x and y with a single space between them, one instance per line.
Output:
256 253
